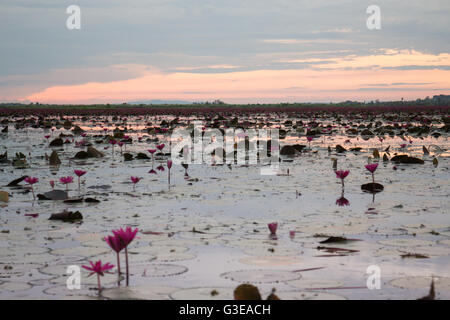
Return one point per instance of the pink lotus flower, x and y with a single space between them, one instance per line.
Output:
341 174
152 151
31 181
152 171
113 143
309 138
273 227
160 168
99 269
292 233
161 146
79 173
117 245
47 137
135 180
125 237
403 146
52 184
371 168
66 181
32 215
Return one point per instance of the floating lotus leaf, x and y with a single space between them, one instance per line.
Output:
405 242
419 282
271 261
139 293
205 293
261 276
308 295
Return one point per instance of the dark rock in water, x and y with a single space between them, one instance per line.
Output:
67 125
118 134
340 149
67 216
19 163
299 147
94 153
54 159
357 149
372 187
141 156
82 155
288 151
58 142
385 158
16 182
103 187
53 195
246 291
5 130
128 156
366 132
77 130
4 157
91 200
397 158
412 160
405 159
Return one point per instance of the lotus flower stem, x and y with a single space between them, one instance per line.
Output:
98 283
126 263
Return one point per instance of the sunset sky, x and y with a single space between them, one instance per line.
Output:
239 51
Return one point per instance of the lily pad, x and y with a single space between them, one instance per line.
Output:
261 276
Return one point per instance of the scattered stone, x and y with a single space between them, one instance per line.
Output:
4 196
54 195
127 156
66 216
288 151
142 156
82 155
4 157
91 200
372 187
77 130
376 154
340 149
54 159
94 153
403 158
366 132
247 292
58 142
